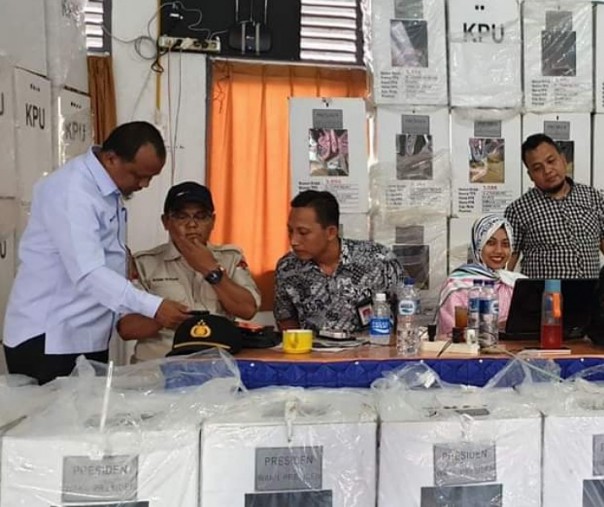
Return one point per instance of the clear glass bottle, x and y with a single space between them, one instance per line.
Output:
551 315
380 325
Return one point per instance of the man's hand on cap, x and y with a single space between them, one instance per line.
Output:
170 314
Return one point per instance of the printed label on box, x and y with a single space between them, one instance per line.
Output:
111 478
464 463
327 118
598 455
288 468
463 496
291 499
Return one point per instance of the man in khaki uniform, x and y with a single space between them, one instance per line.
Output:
189 270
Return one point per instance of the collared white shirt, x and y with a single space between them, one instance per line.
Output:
71 280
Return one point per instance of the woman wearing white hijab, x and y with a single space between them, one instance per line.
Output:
491 250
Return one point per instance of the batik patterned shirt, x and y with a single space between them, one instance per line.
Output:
319 301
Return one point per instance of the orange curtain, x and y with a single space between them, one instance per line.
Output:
102 96
248 154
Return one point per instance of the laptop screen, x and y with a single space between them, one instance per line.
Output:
524 318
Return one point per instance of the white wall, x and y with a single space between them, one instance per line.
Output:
135 90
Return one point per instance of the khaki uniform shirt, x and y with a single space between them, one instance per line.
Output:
164 272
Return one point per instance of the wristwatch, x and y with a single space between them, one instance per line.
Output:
214 277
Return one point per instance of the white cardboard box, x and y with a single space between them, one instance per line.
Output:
328 145
7 270
599 59
299 449
157 467
558 55
573 462
572 132
33 125
597 173
408 54
23 34
419 240
8 171
485 48
469 450
66 44
460 241
413 159
485 161
72 129
354 225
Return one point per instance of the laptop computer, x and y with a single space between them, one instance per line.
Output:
524 318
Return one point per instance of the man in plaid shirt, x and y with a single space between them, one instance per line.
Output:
559 224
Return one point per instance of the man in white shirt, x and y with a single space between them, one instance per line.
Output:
71 284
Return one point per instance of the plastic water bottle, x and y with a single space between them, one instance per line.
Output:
380 325
407 332
474 311
488 334
551 316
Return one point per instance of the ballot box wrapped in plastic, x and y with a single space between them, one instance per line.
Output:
291 447
113 440
444 445
573 444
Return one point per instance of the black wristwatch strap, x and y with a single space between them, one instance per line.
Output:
214 277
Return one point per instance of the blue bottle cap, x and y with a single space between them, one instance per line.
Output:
409 280
552 286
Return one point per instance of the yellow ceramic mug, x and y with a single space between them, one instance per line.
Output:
297 341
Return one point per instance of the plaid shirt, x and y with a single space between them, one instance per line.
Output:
558 238
317 301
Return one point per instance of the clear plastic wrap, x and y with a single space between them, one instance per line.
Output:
485 159
8 170
597 169
21 397
354 225
419 240
405 50
413 167
572 133
7 254
460 241
72 125
573 443
291 447
66 49
328 149
454 446
558 55
114 438
485 48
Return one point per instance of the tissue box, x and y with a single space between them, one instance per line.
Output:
558 55
408 54
572 132
459 450
314 448
485 53
486 161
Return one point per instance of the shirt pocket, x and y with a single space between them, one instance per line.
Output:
169 289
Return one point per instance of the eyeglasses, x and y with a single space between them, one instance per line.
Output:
183 218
